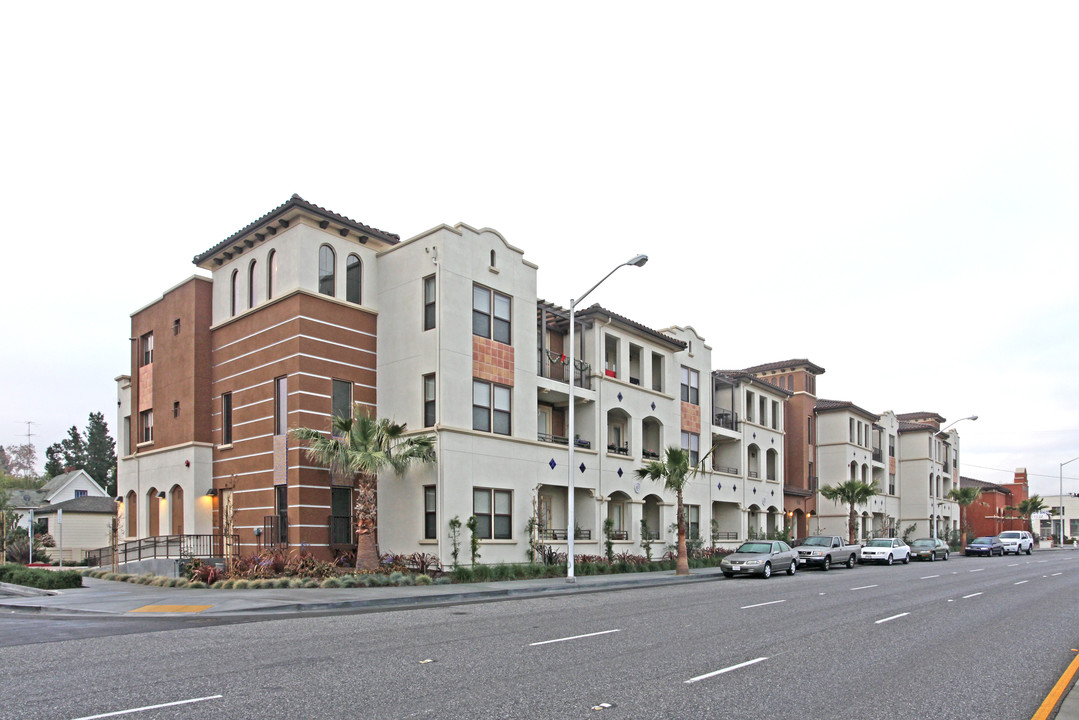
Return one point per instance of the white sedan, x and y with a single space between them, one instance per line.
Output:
886 550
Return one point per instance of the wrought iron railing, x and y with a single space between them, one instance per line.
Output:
725 469
274 531
557 370
547 437
878 456
619 534
727 535
754 474
727 420
164 546
563 534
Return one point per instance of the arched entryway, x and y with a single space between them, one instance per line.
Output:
153 513
131 508
651 516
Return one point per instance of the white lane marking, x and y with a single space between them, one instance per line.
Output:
971 595
893 617
724 670
773 602
930 577
1041 561
150 707
864 587
978 570
1014 565
1020 582
1055 574
575 637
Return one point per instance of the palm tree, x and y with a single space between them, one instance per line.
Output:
853 492
964 497
362 447
675 471
1027 508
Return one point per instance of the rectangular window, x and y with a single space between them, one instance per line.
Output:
429 302
692 443
851 421
809 430
891 446
226 419
493 511
281 510
691 382
342 399
429 400
176 409
429 516
280 405
891 483
775 415
693 521
859 433
762 403
491 312
176 326
146 426
80 493
490 407
657 372
146 349
749 406
127 435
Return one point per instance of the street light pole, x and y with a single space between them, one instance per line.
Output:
571 520
1062 530
941 432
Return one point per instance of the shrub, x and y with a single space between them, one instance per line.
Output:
241 584
43 579
331 583
196 584
424 580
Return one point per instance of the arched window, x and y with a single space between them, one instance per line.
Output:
252 280
353 275
131 509
271 274
492 258
327 270
235 302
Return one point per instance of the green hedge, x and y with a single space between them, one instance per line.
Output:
44 579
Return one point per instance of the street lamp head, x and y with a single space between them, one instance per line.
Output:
638 261
973 417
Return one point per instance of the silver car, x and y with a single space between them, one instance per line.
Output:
886 550
760 557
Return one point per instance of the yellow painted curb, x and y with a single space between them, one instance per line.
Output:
1051 700
172 608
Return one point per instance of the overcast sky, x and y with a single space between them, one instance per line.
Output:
888 190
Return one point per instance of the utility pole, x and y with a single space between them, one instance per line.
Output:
28 423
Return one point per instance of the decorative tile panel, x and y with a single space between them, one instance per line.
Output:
492 361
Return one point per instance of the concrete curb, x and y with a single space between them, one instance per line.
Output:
24 591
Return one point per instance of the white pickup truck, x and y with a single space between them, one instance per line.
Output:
824 551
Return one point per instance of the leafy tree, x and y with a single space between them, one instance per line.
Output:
964 497
361 448
54 460
5 461
674 471
75 455
22 460
100 453
852 492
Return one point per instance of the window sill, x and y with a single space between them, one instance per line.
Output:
225 447
428 541
148 443
485 541
493 269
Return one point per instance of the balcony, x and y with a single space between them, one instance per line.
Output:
878 456
726 420
650 454
557 439
559 371
619 534
725 469
754 474
556 534
618 449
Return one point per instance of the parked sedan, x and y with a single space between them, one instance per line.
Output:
886 550
929 549
985 546
760 557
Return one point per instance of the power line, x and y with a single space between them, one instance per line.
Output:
1029 474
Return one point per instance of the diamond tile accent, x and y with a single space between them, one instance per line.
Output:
582 467
653 406
619 472
754 491
719 486
552 463
619 396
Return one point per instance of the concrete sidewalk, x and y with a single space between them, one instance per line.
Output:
107 597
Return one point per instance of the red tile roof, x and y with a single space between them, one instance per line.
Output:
788 365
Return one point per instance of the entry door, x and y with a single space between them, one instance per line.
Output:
341 512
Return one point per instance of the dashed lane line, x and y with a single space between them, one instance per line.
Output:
893 617
971 595
150 707
930 577
724 670
573 637
864 587
1020 582
772 602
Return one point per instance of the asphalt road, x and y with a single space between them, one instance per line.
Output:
968 638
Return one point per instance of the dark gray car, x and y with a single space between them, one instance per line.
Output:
760 557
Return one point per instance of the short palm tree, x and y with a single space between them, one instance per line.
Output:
674 471
852 492
361 447
964 497
1027 508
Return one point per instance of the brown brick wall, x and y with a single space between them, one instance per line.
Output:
691 418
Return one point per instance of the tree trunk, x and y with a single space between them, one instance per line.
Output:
852 524
367 523
963 527
682 564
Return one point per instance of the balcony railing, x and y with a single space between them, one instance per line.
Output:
619 534
548 438
341 530
164 546
563 534
618 450
725 469
754 474
771 474
878 456
727 420
727 535
556 370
